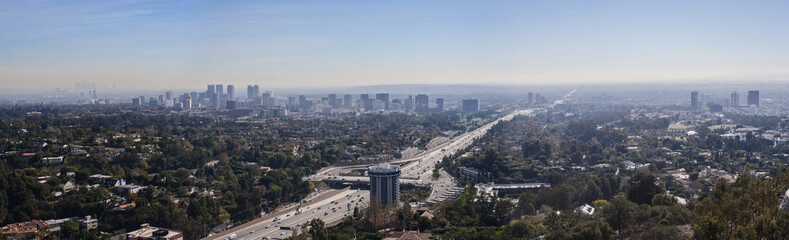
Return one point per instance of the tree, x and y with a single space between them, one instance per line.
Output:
318 230
642 187
619 213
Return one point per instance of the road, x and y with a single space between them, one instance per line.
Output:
417 170
331 209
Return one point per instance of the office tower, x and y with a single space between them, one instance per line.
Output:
367 103
168 95
347 101
195 96
231 92
735 99
470 105
753 97
153 102
383 97
714 107
211 89
385 183
250 93
303 104
230 105
215 100
422 103
530 98
537 98
136 101
220 89
188 102
409 103
694 101
291 101
161 99
333 100
439 104
267 99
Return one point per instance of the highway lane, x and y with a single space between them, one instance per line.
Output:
329 210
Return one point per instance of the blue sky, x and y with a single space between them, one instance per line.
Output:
187 44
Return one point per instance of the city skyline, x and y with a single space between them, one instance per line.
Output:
172 44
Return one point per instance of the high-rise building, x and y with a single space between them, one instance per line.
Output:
215 100
439 104
220 89
531 98
753 97
231 92
422 103
303 103
347 101
409 103
267 99
694 101
470 105
168 95
385 183
230 105
367 103
333 100
735 99
250 93
188 102
136 101
383 97
210 89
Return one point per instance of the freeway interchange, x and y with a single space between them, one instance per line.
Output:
332 206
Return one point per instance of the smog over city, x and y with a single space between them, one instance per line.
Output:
158 119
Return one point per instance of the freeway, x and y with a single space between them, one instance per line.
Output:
282 224
418 170
415 170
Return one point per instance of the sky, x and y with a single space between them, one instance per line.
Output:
312 44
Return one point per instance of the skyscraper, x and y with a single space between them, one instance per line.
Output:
531 98
735 99
215 100
267 98
250 93
753 97
409 103
220 89
333 100
367 103
470 105
694 101
347 101
210 89
385 183
188 103
383 97
231 92
303 103
439 104
422 103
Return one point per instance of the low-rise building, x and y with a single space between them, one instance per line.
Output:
52 159
147 231
23 230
